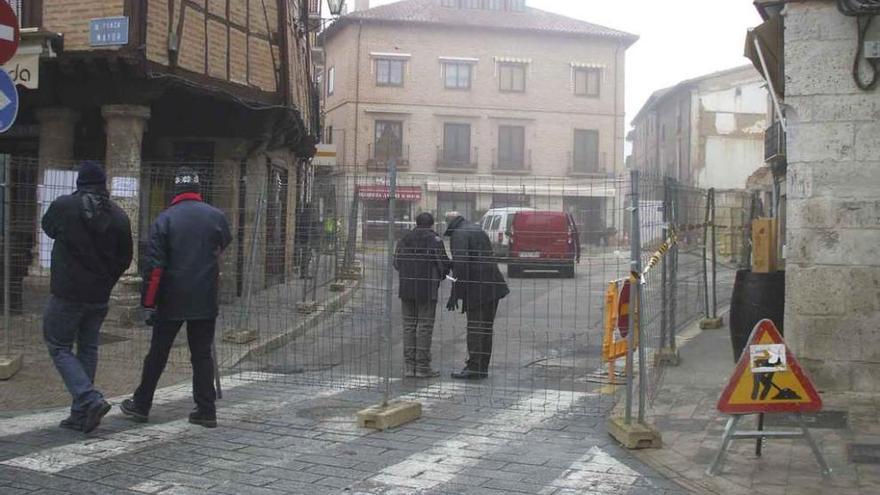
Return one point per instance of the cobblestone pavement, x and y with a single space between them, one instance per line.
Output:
685 413
278 437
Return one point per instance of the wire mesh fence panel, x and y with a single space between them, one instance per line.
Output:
306 279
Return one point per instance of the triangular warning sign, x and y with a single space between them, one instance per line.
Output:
768 378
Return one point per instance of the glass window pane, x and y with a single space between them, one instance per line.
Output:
464 76
396 72
593 82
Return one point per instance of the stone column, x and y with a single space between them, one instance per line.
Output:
57 126
124 127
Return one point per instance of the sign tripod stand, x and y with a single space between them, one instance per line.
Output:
767 380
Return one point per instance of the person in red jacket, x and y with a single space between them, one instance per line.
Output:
181 285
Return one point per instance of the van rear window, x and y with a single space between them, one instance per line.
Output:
541 221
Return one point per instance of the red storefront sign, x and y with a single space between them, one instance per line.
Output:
404 193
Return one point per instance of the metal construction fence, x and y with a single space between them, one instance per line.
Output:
310 294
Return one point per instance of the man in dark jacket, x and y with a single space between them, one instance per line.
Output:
181 284
92 249
479 286
422 263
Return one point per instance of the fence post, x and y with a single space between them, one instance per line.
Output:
667 355
389 279
675 202
635 258
711 321
9 364
635 435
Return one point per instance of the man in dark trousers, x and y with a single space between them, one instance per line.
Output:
479 286
181 284
421 261
93 248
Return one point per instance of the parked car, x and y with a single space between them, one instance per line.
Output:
496 222
543 240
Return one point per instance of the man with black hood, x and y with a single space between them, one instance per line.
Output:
479 286
421 261
181 284
92 249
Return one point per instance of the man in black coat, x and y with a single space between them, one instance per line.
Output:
479 286
181 284
421 261
93 248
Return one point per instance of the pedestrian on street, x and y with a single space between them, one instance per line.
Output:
305 235
92 249
421 261
478 286
181 285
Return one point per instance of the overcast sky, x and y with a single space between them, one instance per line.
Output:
680 39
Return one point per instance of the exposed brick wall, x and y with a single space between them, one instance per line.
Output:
71 17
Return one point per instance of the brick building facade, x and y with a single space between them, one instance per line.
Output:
483 104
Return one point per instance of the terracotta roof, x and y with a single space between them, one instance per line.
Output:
531 19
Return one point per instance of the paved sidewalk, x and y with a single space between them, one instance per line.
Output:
685 413
272 314
281 438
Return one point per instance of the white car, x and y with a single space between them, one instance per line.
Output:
496 223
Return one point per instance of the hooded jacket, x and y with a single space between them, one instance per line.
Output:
478 278
421 260
182 263
93 245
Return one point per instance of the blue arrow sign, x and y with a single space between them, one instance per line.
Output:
8 101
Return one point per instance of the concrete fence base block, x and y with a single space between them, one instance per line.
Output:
634 435
666 357
711 323
306 307
352 274
240 337
391 416
9 366
337 287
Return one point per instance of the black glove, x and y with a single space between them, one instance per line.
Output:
150 316
452 305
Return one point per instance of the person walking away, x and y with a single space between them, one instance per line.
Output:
181 285
422 263
92 249
478 286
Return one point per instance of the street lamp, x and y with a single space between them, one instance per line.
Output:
336 7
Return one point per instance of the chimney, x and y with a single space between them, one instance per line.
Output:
361 5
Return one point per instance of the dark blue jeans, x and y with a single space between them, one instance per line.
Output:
68 322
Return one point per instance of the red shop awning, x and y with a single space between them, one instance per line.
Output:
404 193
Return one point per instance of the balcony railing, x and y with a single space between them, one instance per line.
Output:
314 15
378 162
453 161
512 165
581 169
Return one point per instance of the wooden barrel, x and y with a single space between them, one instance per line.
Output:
756 296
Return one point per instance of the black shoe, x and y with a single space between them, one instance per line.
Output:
73 422
208 420
130 409
94 414
467 374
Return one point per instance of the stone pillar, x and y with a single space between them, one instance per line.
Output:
57 126
124 127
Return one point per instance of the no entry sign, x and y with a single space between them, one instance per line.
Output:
9 32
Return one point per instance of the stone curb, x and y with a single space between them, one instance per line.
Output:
308 322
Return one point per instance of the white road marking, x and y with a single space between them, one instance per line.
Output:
444 461
587 472
31 422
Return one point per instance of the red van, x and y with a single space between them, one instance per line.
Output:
543 240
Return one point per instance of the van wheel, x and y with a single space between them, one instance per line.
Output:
568 271
514 271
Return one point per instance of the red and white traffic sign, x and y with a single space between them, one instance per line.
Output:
10 34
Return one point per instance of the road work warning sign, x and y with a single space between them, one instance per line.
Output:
768 378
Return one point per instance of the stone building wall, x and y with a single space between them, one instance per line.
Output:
833 267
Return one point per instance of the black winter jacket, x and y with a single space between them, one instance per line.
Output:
93 245
182 263
421 260
478 278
